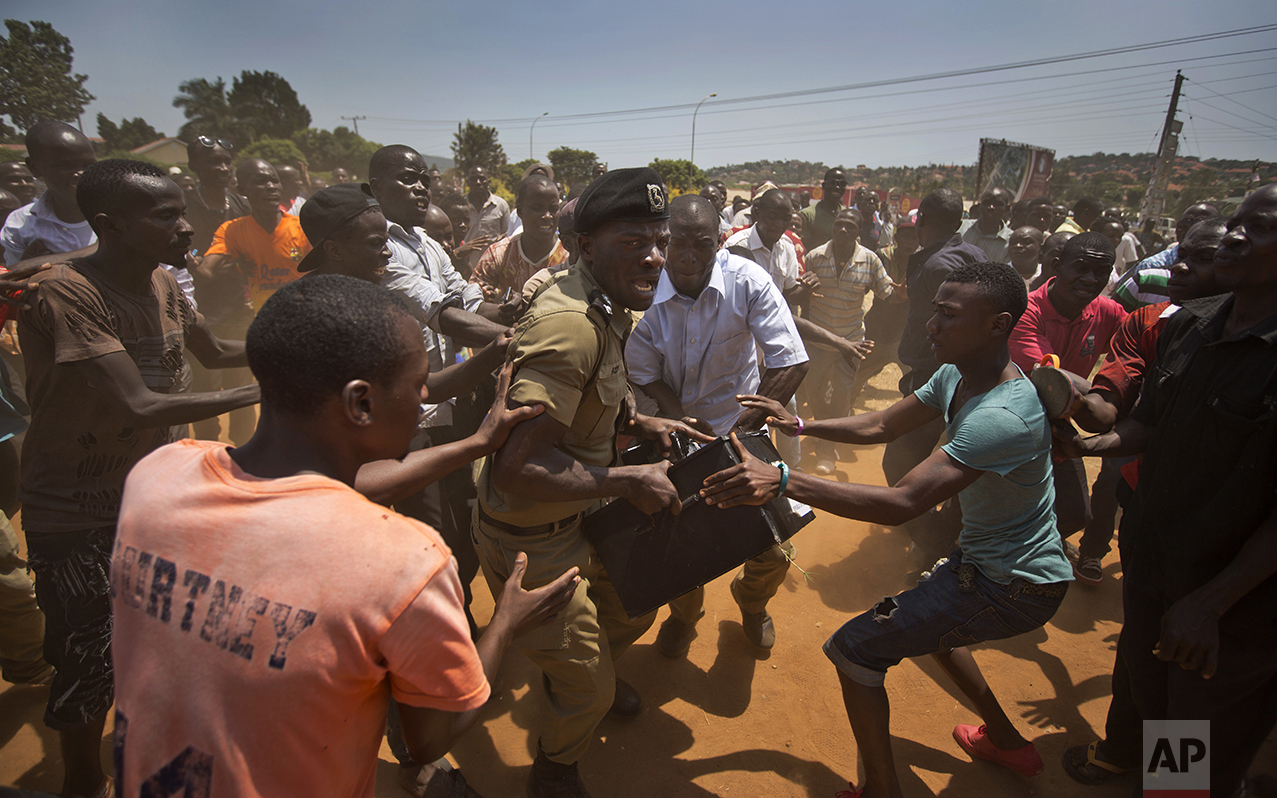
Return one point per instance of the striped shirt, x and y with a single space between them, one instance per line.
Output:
995 246
839 305
1145 287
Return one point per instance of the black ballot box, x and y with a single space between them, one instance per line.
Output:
652 559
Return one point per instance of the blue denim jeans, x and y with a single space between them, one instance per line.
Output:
937 615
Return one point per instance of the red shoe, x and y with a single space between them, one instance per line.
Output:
975 742
853 792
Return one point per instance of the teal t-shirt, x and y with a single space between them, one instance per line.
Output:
1008 514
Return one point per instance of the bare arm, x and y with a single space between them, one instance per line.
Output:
812 333
389 481
931 482
467 328
212 265
213 352
120 383
461 378
531 465
666 400
778 385
880 426
1128 437
430 733
54 257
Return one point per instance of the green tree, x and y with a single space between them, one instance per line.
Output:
128 135
36 81
572 166
209 112
280 152
267 105
512 173
326 150
674 171
476 145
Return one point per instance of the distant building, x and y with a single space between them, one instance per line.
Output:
167 151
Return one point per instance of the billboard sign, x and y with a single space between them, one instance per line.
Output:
1022 169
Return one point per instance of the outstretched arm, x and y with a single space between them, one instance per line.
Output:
880 426
116 376
389 481
755 482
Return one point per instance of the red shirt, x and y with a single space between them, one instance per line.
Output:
1134 348
1078 342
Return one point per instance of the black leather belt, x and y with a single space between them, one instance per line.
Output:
539 529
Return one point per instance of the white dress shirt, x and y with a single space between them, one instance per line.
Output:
705 349
780 262
422 274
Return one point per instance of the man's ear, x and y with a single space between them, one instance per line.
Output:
357 402
1002 324
104 224
585 243
332 251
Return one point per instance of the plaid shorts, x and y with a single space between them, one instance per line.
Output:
73 589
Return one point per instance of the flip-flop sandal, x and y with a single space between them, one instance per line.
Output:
1081 763
1058 390
852 792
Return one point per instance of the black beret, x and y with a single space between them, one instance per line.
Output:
622 195
325 213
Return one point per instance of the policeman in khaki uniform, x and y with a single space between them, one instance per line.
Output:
568 353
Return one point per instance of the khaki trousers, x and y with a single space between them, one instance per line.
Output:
21 622
576 650
752 588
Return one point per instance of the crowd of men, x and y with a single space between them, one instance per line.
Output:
395 344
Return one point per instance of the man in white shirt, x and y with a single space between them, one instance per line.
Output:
695 351
58 154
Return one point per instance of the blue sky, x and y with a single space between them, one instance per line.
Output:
415 69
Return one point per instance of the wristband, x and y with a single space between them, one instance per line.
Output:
784 478
798 431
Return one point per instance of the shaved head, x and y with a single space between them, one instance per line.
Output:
694 211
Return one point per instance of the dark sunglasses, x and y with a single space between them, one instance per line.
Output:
205 141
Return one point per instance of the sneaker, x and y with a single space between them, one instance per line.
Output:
1089 569
975 741
825 467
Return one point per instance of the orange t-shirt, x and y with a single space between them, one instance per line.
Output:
270 259
262 625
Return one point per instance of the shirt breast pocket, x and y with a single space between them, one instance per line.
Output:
1243 427
731 353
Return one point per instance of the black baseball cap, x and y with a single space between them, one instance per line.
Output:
325 213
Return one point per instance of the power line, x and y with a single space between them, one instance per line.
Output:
560 118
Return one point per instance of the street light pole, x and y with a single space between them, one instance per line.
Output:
531 153
691 166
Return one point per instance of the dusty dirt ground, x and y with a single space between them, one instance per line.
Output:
728 721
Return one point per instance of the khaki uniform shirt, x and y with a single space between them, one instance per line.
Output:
569 356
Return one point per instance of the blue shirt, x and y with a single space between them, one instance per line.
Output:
1008 514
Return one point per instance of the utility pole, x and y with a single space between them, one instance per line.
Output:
1154 204
691 164
355 119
